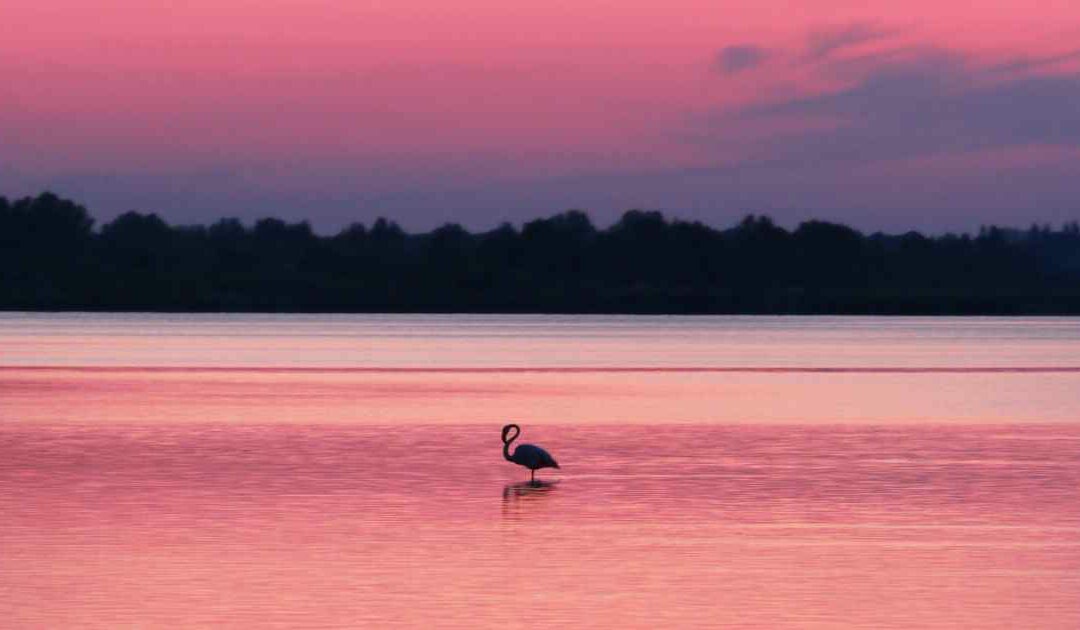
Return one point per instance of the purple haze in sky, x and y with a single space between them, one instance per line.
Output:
925 116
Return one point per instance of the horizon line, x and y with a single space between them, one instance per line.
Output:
670 216
552 369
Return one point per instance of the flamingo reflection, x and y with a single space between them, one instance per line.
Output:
527 489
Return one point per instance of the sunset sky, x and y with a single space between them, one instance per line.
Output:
927 115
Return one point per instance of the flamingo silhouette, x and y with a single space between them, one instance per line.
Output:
527 455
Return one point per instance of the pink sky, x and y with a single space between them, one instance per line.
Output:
484 111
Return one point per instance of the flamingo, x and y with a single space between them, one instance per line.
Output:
527 455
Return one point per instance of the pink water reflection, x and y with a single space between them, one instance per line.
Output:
212 526
341 472
98 396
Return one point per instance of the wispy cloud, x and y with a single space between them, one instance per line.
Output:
825 42
930 105
1025 64
734 59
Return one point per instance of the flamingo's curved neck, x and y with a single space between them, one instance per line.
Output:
506 442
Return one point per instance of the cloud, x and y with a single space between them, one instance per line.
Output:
1026 64
734 59
824 42
931 105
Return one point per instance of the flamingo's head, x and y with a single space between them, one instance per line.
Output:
506 431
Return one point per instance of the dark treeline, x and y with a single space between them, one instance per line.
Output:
51 257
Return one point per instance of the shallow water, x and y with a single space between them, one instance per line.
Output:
333 492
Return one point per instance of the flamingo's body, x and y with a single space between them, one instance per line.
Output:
528 455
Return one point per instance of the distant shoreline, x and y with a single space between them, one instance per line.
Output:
52 259
1071 309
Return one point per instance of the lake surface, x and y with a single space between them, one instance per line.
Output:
192 471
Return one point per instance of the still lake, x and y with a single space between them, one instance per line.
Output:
343 471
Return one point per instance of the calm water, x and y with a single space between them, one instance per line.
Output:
345 471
